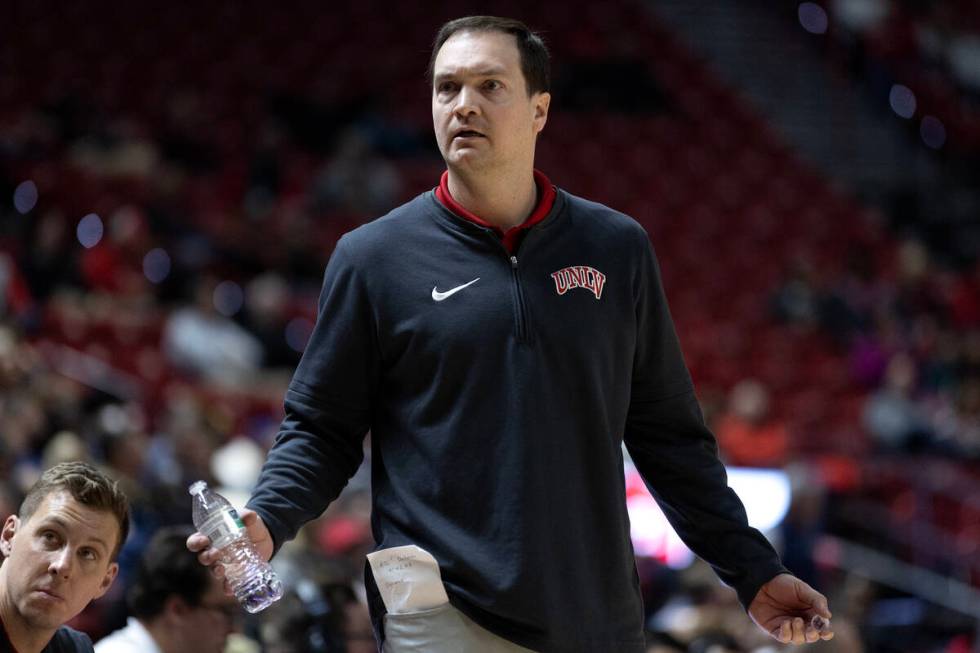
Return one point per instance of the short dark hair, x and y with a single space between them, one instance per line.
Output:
535 60
88 486
167 569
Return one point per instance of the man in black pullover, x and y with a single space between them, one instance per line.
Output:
502 339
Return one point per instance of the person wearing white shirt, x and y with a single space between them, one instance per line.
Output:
175 604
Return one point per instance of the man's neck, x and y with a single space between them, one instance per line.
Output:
21 636
165 637
502 200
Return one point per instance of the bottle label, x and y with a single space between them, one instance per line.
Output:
223 527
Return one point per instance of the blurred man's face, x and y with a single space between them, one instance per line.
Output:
483 118
57 560
208 624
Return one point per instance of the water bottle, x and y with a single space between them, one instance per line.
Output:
255 584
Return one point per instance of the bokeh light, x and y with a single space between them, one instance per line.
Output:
933 132
812 17
156 265
25 196
228 298
902 100
90 230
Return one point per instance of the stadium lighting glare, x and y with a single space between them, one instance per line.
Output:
25 197
156 265
813 18
902 100
766 493
933 132
298 333
90 231
228 298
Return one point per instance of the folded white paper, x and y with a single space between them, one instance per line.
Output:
408 578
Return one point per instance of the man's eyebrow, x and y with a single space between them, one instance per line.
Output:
63 525
53 521
479 71
99 540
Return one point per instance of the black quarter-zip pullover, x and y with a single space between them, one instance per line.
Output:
499 388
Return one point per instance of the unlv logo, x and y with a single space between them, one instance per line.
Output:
579 276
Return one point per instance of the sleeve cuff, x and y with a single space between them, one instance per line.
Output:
748 589
277 530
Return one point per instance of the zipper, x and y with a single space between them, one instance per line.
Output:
520 309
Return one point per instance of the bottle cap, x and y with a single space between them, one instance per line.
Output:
197 487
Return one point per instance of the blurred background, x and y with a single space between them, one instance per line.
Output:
173 177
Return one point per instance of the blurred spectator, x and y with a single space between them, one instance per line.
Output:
64 447
11 359
855 298
176 605
183 138
748 434
324 612
797 301
664 643
890 414
114 261
15 297
714 642
705 610
266 303
964 61
184 446
804 523
861 15
324 620
8 502
956 420
356 179
916 284
120 149
965 300
265 171
200 340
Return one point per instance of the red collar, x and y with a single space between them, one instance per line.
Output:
512 237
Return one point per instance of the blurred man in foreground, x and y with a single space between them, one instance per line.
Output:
176 606
59 554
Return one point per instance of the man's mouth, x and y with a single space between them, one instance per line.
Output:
51 594
468 133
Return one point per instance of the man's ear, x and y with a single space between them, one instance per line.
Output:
541 103
10 527
174 607
110 576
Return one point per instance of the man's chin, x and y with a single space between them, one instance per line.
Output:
467 159
41 612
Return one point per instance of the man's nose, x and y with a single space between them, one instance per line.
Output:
61 563
466 102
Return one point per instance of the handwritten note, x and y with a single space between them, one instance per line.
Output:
408 578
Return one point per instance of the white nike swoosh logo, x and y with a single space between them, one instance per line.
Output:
439 296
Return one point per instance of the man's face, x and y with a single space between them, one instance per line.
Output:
208 624
57 560
481 112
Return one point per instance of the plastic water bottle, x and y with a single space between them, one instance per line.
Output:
254 582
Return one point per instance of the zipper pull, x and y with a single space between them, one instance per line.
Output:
513 262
